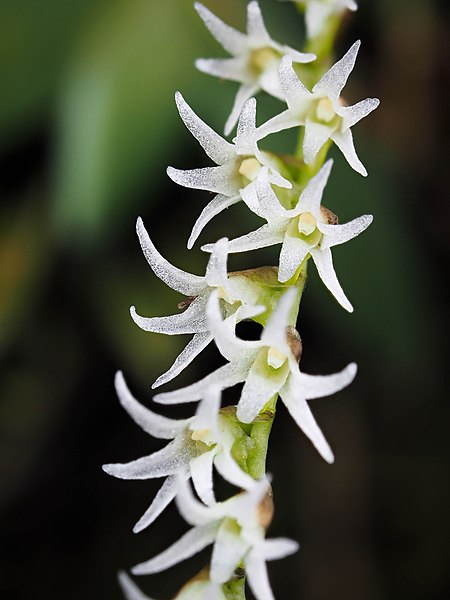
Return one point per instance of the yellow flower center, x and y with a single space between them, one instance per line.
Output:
203 435
260 58
306 223
250 168
325 111
275 358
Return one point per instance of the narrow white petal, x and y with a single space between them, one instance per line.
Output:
163 498
274 333
215 207
216 271
293 89
233 69
192 510
207 411
245 91
152 423
186 356
129 588
297 406
232 472
275 548
316 134
250 197
270 206
225 377
189 544
232 40
258 578
261 385
324 263
334 80
220 180
218 149
339 234
267 235
293 252
353 114
230 346
318 386
202 476
285 120
228 550
178 280
246 130
344 141
168 461
255 23
191 320
311 196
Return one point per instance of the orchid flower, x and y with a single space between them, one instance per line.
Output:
268 367
322 111
238 293
255 58
238 164
197 444
236 529
309 229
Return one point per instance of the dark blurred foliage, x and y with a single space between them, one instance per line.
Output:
88 125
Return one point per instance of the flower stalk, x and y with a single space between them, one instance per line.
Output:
286 192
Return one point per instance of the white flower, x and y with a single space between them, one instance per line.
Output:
197 444
237 292
303 231
317 12
268 367
255 57
234 527
238 164
322 111
198 589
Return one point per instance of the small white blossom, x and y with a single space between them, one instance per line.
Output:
234 527
322 111
198 444
268 367
303 231
238 296
255 57
238 164
317 12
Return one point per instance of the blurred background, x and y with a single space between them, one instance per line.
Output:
88 125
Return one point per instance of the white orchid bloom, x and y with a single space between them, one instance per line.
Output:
268 367
238 295
238 164
235 528
322 111
199 589
197 444
255 58
306 230
317 13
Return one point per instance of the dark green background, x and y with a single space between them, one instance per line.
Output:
87 126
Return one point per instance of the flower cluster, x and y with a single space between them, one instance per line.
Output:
286 192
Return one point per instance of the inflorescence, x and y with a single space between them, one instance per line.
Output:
286 192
